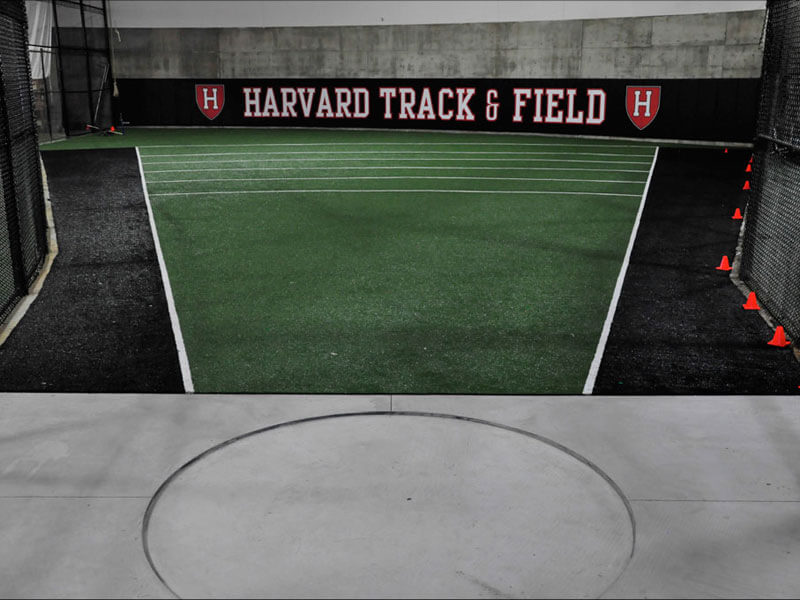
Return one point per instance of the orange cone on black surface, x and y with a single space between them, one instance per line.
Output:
752 302
779 339
724 265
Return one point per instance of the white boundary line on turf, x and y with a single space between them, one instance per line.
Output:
410 158
415 167
183 358
397 191
311 144
588 386
381 177
402 152
531 134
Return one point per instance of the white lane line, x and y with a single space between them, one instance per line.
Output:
404 152
381 177
588 386
337 159
398 191
183 358
580 144
363 168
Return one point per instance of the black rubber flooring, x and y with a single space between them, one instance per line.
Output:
100 323
680 327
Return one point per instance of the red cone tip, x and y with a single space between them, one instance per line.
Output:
726 150
112 128
750 162
752 303
779 339
749 168
746 185
737 215
724 265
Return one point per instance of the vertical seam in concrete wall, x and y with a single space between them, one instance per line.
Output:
580 52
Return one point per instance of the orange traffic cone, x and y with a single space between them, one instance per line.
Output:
726 150
746 185
737 215
749 168
724 265
779 339
752 303
751 160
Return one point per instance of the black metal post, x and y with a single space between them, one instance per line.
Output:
46 95
88 65
64 115
109 51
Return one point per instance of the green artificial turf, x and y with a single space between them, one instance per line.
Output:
466 289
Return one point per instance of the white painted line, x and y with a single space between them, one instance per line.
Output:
183 358
364 168
581 144
379 177
395 152
400 191
240 160
588 386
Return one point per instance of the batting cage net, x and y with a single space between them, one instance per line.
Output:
22 216
770 260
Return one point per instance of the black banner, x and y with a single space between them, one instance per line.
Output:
688 109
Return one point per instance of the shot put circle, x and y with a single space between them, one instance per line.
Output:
398 504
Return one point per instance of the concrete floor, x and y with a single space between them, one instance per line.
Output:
712 485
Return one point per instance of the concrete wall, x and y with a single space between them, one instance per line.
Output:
314 13
713 45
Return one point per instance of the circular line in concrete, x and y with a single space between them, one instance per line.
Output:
389 504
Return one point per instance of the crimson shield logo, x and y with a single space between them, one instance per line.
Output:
210 99
642 104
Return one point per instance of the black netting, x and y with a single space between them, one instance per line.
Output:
771 244
22 220
771 241
779 114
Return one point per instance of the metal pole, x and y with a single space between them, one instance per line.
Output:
64 116
46 95
88 62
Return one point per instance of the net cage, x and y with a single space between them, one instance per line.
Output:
22 214
770 259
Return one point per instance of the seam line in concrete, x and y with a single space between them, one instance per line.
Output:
67 497
712 501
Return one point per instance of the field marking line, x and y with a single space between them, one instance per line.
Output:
403 152
183 357
398 191
365 167
588 386
312 144
245 160
381 177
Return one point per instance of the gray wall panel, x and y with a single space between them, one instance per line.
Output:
682 46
